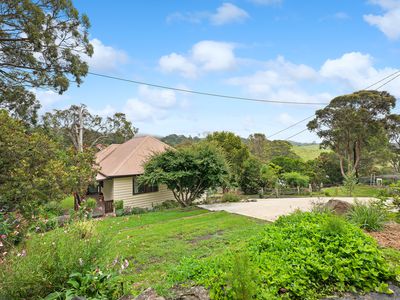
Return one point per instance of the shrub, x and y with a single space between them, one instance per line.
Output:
51 209
301 256
230 197
166 205
45 262
369 216
12 230
119 204
91 285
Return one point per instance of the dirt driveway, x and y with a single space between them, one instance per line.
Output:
271 209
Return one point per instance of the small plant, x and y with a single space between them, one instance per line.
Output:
349 182
242 278
119 208
166 205
368 216
91 285
230 197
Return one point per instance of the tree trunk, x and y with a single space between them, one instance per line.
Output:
80 140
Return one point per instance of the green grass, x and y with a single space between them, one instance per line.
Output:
68 203
156 242
308 152
359 191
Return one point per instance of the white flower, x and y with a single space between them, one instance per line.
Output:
81 261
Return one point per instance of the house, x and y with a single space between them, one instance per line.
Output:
120 166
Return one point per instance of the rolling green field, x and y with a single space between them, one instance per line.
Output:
308 152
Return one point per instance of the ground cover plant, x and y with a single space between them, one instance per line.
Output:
142 247
301 256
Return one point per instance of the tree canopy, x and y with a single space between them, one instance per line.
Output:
41 45
187 172
349 121
76 126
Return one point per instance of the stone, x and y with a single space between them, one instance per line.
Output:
338 206
192 293
149 294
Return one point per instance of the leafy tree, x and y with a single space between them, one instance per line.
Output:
270 176
295 179
236 152
326 169
250 181
41 45
258 144
347 123
393 127
81 172
279 148
32 169
77 126
288 164
187 172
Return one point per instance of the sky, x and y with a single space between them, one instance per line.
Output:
281 50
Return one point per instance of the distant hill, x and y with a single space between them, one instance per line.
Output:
175 139
308 151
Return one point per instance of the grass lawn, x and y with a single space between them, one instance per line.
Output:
359 191
308 152
155 242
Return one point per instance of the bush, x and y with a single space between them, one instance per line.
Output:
230 197
301 256
166 205
51 209
119 204
369 216
91 285
45 262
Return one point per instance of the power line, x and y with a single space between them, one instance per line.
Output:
293 125
382 85
204 93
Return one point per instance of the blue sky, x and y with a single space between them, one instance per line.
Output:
288 50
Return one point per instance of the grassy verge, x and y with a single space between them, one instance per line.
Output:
359 191
152 243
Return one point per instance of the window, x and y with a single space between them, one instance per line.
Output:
142 188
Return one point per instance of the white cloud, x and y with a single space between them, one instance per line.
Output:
228 13
105 58
48 99
107 111
178 63
389 22
356 71
205 56
267 2
225 14
214 56
280 79
150 104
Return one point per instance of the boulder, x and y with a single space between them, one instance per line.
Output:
149 294
339 207
192 293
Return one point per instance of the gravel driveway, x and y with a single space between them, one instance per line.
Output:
271 209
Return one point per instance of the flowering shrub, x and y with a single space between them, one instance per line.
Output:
44 263
12 231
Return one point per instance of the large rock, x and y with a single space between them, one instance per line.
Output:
339 207
149 294
193 293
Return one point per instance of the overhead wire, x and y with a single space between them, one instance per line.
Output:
366 88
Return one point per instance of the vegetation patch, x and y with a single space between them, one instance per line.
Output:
301 256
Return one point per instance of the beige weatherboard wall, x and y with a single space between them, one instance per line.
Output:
120 163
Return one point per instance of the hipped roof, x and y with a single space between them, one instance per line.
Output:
127 158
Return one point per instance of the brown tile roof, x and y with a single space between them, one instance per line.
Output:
128 158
